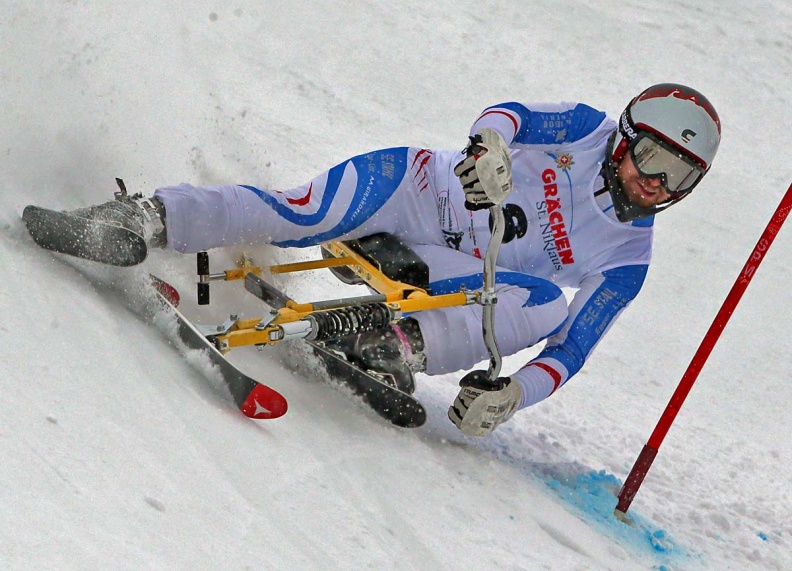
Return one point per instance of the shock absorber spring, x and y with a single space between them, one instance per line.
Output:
350 321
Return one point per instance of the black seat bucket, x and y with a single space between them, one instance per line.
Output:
392 256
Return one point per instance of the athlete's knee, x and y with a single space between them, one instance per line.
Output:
549 317
530 315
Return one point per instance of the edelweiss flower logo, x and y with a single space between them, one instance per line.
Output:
564 161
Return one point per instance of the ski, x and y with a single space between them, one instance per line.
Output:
395 406
84 238
170 293
254 399
75 236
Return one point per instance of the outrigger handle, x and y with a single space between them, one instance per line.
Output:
488 298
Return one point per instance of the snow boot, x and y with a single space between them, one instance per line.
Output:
143 216
118 233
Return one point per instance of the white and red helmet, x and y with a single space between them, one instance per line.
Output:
671 131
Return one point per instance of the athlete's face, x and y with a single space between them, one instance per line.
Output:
641 190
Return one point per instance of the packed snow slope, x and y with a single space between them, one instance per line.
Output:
118 453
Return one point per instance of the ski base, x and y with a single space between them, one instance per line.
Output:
83 238
395 406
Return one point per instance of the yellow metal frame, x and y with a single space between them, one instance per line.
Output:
398 296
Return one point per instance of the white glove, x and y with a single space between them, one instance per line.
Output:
480 407
485 173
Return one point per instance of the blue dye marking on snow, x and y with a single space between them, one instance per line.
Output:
594 494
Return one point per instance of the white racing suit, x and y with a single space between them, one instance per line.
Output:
557 235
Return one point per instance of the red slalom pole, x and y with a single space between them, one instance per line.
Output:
649 451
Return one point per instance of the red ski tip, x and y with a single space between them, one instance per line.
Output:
170 293
263 403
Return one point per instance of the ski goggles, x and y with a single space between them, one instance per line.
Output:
655 158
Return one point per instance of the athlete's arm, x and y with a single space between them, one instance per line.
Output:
597 304
547 126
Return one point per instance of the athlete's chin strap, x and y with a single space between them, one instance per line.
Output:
627 211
